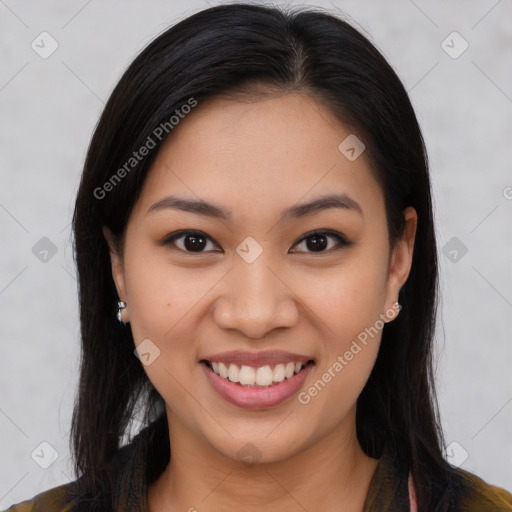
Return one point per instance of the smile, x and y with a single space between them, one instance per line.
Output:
259 387
259 377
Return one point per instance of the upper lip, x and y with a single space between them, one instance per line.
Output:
257 359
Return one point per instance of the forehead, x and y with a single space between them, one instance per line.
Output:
261 154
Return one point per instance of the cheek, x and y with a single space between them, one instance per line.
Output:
164 302
349 300
347 297
160 294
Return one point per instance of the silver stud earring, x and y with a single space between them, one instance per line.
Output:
397 307
120 306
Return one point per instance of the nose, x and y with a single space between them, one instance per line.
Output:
254 299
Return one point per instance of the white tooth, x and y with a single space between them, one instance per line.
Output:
288 371
298 367
279 373
247 375
223 371
233 373
264 376
215 367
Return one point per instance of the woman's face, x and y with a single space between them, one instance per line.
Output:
256 281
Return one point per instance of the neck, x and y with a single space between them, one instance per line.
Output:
332 474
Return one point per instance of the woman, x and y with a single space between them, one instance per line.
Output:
255 220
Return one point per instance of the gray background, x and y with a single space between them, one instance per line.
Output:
49 108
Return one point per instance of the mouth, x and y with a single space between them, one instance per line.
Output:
257 377
256 387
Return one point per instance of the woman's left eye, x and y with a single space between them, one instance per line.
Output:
315 241
318 241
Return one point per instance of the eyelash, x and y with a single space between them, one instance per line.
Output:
341 240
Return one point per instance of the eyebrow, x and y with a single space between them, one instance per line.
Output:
201 207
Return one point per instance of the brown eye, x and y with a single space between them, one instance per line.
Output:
190 241
199 242
318 241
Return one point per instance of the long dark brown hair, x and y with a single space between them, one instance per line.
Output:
226 50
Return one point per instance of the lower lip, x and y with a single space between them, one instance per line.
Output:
256 398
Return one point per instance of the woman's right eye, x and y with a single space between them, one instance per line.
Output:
190 241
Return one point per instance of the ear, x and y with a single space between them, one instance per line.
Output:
401 258
116 262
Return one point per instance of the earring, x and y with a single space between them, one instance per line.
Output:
395 310
120 306
397 306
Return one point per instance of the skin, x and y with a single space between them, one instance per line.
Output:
255 159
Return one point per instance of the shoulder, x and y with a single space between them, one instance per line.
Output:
475 494
53 500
